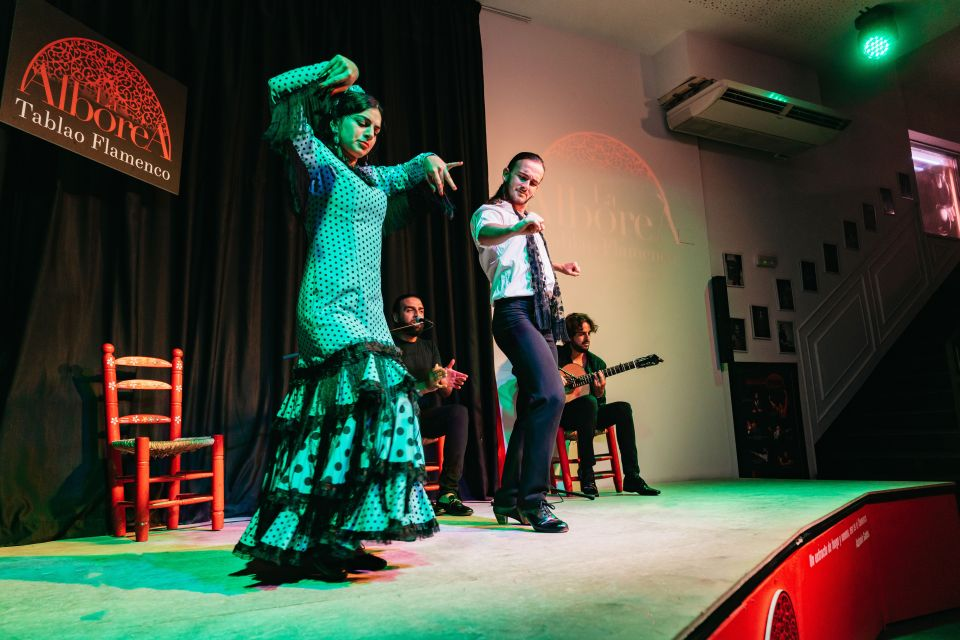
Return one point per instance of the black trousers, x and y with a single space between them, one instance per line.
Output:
450 421
533 354
584 415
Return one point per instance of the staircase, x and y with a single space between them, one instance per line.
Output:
903 422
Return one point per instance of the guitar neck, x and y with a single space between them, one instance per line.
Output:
619 368
646 361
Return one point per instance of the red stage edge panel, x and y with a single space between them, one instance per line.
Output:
885 562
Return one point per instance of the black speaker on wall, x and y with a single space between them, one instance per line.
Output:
721 319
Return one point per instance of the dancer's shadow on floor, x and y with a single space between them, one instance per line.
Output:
207 571
479 522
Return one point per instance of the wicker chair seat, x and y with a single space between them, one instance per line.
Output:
165 448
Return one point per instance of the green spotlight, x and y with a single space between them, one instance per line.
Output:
877 46
878 31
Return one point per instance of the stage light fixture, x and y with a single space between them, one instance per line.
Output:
877 31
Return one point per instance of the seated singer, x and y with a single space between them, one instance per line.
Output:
586 413
420 357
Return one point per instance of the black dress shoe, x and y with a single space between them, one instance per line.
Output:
542 519
363 561
502 512
589 488
638 485
450 504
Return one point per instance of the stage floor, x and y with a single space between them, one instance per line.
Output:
630 567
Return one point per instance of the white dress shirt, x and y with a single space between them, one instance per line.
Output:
506 264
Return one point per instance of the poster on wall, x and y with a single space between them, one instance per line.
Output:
938 185
767 423
66 84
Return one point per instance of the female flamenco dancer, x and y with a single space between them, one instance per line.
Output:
347 455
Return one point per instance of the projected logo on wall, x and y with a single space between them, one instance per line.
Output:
86 96
604 199
605 208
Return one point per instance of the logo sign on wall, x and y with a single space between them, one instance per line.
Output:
66 84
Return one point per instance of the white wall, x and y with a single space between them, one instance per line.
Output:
649 215
623 198
790 208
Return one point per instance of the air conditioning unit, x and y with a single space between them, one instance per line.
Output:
749 117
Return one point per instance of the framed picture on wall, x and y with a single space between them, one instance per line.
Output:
886 202
869 217
761 322
784 295
851 235
738 334
767 423
906 185
785 339
733 269
937 179
831 258
808 275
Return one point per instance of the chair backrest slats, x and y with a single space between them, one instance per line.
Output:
112 386
141 361
144 418
144 385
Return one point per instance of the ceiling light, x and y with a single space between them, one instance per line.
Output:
878 31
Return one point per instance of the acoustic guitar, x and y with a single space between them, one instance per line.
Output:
576 381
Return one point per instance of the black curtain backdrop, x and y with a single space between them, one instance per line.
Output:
92 256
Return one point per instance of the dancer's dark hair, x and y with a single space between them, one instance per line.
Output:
339 106
523 155
320 109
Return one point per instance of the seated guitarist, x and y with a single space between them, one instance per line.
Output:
591 410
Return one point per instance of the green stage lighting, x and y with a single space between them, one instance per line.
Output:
878 31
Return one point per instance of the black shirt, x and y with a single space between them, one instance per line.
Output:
419 358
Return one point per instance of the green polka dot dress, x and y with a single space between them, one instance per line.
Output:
347 453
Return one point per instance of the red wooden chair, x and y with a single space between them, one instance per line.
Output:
144 449
433 484
563 459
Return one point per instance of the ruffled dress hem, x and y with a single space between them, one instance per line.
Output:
348 461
